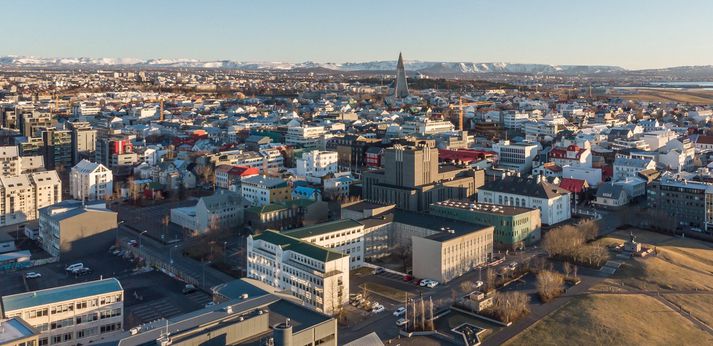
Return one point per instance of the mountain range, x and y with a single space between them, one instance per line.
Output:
424 67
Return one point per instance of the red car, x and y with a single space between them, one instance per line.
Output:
408 277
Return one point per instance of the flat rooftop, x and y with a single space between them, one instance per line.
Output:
442 225
483 207
60 294
15 329
322 228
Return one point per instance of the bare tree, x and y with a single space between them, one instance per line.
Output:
404 254
490 279
550 285
509 306
566 268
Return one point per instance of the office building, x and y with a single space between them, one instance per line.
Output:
687 204
514 226
307 137
552 201
515 156
69 229
412 178
316 275
81 313
16 332
345 236
316 164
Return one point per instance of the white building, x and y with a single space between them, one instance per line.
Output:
21 196
518 156
89 181
553 201
317 275
308 137
593 176
262 190
514 119
78 314
345 236
317 164
626 167
425 126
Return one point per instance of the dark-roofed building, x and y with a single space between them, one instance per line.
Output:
248 315
610 195
317 275
552 201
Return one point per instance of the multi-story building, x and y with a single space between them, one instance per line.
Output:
307 137
113 152
514 119
21 196
229 176
219 211
32 123
16 332
89 181
317 275
81 313
354 152
552 201
263 190
345 236
425 126
10 164
317 164
70 228
517 156
627 167
514 227
571 155
412 178
84 141
57 148
689 204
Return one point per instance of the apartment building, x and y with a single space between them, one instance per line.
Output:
21 196
90 181
316 275
10 163
16 332
113 152
84 140
307 137
425 126
75 314
517 156
229 177
345 236
57 146
514 226
317 164
571 155
629 167
70 228
221 210
514 119
552 201
688 204
262 190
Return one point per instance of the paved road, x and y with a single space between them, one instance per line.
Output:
172 254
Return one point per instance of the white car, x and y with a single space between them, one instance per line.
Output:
377 309
424 282
32 275
512 265
479 284
432 284
401 322
400 311
74 267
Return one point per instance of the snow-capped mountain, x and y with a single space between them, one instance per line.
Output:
425 67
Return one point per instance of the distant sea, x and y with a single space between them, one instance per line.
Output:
682 84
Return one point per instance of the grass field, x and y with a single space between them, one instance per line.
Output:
699 305
394 294
681 264
613 320
670 95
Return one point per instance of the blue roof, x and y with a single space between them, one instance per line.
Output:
60 294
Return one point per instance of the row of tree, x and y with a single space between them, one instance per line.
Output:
571 243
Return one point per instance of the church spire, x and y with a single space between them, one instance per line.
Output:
401 89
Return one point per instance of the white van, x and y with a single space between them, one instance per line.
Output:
74 267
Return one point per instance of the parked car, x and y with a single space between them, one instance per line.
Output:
116 252
512 265
401 322
479 284
423 282
133 243
432 284
377 309
400 311
73 267
188 289
378 271
408 277
82 271
32 275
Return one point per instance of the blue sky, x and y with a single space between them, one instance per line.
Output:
628 33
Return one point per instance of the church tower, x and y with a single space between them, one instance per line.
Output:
401 89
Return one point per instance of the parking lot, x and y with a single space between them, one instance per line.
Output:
149 295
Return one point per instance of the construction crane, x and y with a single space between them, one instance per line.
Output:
462 105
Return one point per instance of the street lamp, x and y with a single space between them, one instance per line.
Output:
170 253
225 253
116 231
140 234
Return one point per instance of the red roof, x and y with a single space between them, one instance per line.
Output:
243 171
702 139
561 153
573 185
464 155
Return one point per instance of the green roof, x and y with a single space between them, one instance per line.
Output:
287 242
322 228
59 294
265 208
